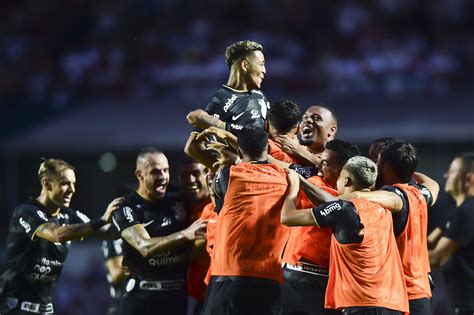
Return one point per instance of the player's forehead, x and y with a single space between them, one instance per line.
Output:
156 161
328 155
66 175
257 56
192 168
317 110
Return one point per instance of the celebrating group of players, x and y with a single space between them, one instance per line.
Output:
274 216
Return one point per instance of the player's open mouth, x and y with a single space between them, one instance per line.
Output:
193 188
320 173
161 188
307 131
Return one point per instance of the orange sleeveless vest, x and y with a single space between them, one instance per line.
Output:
209 214
309 242
413 244
198 268
251 238
369 273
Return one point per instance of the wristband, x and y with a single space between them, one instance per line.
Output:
97 223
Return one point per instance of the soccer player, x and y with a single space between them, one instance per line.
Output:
377 146
317 127
39 238
454 249
306 256
396 165
283 120
239 102
116 276
192 178
157 241
365 273
246 267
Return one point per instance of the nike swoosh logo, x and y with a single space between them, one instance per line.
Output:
237 117
148 223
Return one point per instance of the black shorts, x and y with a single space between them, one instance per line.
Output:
369 310
242 295
152 302
304 293
114 307
420 306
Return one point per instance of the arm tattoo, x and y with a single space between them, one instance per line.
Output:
139 239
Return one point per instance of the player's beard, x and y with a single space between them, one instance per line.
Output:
305 142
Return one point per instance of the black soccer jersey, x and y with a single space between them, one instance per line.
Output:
239 108
458 272
33 265
111 249
160 218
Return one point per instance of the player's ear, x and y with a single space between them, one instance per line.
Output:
348 182
469 180
332 131
244 65
46 184
139 175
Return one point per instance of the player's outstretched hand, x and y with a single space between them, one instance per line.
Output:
196 231
114 205
227 155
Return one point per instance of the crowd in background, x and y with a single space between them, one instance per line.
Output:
54 52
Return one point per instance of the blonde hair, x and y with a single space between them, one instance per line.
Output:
51 168
363 171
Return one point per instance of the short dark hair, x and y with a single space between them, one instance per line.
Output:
240 49
284 115
187 160
402 157
385 140
344 150
252 141
51 168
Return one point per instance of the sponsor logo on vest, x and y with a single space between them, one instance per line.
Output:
330 208
229 102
